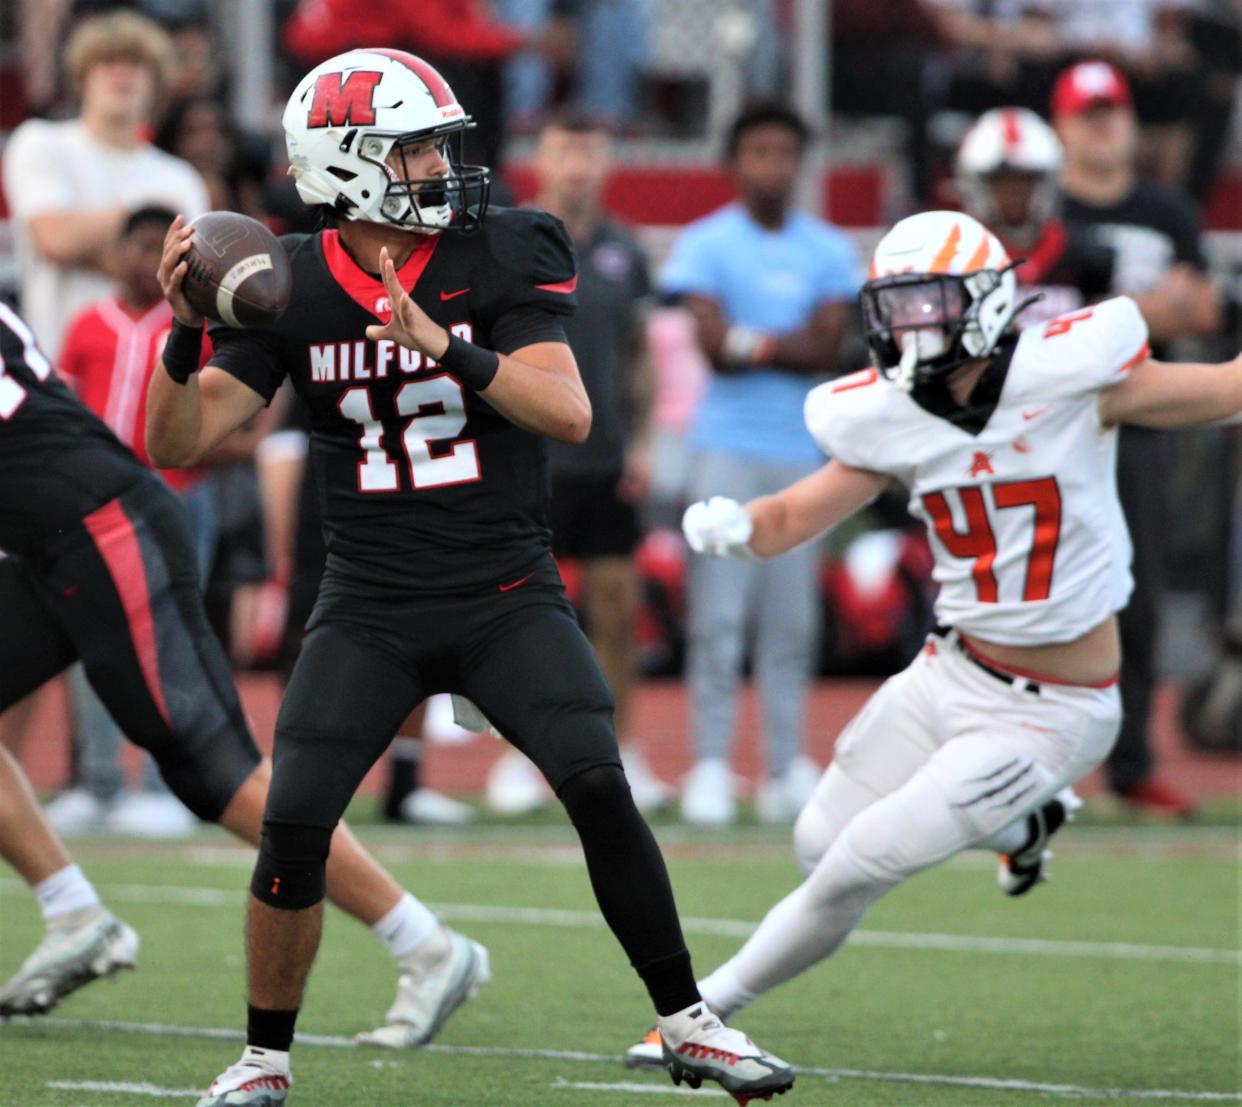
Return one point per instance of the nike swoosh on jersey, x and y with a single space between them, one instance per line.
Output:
510 587
1029 415
453 295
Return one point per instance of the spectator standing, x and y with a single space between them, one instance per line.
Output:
771 290
1154 234
598 487
71 184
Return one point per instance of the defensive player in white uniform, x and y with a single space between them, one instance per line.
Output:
1005 441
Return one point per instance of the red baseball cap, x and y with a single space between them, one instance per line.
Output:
1087 85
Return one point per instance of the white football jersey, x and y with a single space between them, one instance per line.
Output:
1030 542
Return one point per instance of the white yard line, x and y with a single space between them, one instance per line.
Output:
728 928
635 1089
991 1082
125 1088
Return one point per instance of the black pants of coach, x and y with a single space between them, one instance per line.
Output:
120 592
1143 465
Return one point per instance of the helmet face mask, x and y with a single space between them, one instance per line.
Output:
930 311
455 201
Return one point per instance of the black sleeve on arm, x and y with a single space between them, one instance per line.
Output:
249 355
524 326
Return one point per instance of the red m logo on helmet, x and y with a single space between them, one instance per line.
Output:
340 100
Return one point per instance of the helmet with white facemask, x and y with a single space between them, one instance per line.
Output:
351 112
941 292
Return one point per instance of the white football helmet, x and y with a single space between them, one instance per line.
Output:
941 292
1010 141
348 114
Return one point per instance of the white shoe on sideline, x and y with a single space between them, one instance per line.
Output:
436 978
427 807
649 791
151 815
515 786
780 799
707 794
255 1081
76 811
78 948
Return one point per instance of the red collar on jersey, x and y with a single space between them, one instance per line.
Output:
366 289
1042 258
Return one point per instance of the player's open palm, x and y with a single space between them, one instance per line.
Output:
409 325
172 271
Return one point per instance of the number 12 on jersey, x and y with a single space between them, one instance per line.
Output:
437 412
978 540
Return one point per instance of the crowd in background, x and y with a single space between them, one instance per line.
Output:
124 122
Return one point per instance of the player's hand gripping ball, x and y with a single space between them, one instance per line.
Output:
236 271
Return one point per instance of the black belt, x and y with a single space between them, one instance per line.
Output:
954 638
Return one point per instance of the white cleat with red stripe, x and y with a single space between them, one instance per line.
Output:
260 1079
698 1047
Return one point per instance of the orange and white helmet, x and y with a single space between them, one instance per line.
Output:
941 292
349 113
1010 141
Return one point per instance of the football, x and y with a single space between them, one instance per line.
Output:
236 270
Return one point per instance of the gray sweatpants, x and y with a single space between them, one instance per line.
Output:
775 601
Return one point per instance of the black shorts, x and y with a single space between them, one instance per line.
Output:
588 519
517 652
120 591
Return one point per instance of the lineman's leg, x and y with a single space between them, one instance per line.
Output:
975 785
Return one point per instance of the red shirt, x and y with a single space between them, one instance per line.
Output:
108 357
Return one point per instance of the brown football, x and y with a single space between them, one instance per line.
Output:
237 272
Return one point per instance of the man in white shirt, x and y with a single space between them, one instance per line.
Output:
71 184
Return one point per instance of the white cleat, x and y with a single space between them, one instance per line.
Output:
151 815
647 1052
707 794
1026 867
427 807
515 787
698 1047
649 791
780 799
260 1079
76 812
77 949
436 978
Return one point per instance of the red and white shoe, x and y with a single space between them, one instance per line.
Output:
698 1047
260 1079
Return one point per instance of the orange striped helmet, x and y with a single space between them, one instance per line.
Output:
941 292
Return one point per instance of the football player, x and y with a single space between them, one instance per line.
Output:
1005 441
426 341
1008 173
102 568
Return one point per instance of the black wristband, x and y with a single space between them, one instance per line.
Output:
474 366
182 350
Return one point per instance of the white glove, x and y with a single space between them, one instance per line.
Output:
718 527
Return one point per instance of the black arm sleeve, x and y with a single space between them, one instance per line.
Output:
249 355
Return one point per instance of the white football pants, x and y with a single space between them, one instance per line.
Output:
944 757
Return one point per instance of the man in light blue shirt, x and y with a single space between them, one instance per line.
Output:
772 291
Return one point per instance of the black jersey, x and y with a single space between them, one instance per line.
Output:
58 460
424 487
1065 268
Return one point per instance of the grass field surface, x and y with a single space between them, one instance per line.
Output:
1116 983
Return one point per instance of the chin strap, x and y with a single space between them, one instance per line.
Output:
906 367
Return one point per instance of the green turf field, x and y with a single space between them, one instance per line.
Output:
1117 981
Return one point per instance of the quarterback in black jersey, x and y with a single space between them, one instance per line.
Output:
99 565
431 361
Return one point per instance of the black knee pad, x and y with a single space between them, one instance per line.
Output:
598 794
291 871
